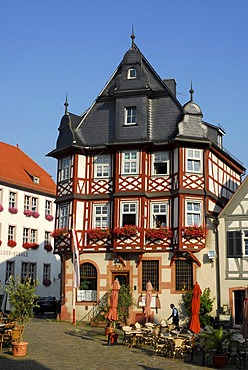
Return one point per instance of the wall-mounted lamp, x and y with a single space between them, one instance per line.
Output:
211 255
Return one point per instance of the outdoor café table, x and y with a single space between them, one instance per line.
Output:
134 335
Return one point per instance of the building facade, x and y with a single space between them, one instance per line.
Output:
233 255
27 210
141 179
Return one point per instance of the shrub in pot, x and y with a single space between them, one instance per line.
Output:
22 297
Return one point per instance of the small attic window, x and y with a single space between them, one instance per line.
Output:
36 180
131 73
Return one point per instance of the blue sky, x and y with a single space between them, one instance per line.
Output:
53 47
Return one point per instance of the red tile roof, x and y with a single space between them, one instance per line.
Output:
17 169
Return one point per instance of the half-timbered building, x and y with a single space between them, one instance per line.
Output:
141 179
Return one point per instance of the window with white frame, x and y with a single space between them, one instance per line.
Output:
158 215
160 163
130 162
12 199
27 201
64 169
47 237
48 207
194 160
234 244
128 213
100 215
102 166
29 235
132 73
34 206
28 270
193 213
130 116
11 232
10 270
46 271
1 196
30 203
63 215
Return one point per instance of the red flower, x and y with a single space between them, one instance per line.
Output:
98 233
30 245
35 214
160 233
127 230
13 210
194 231
62 231
48 247
0 242
11 243
1 208
28 212
49 217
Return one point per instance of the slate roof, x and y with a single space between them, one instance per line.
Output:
158 112
19 170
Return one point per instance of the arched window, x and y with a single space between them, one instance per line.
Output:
88 283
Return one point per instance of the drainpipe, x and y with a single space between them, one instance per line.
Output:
216 223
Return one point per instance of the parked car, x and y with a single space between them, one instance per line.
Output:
47 305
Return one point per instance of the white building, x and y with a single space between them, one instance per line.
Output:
27 194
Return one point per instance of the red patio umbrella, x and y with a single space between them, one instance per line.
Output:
147 309
112 314
195 326
244 326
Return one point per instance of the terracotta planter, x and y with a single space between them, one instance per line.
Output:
219 361
19 349
113 338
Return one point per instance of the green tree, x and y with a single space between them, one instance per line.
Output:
206 306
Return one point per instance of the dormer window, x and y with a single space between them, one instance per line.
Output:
131 73
36 180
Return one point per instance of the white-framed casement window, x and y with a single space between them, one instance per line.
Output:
12 199
100 215
193 213
160 163
47 237
1 196
29 235
131 74
130 162
63 215
48 207
46 271
245 243
158 215
102 166
193 160
28 270
128 214
64 169
11 232
10 270
27 202
34 206
130 116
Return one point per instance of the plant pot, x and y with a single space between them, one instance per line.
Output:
219 361
19 349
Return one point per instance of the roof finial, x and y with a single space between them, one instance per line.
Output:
191 91
66 104
132 37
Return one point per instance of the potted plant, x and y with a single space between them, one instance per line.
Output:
126 231
216 340
22 297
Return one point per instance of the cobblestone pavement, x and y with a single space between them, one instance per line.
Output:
55 345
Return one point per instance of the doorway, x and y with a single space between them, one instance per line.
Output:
123 277
238 306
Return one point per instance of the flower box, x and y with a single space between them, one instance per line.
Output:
46 282
13 210
0 242
49 217
35 214
11 243
48 247
28 212
30 245
127 230
194 231
61 232
98 233
1 208
160 233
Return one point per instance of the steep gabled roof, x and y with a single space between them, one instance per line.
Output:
236 199
19 170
